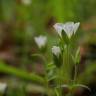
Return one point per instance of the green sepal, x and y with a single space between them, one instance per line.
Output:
66 40
43 49
57 60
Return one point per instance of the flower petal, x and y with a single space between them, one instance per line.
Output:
76 25
69 28
26 2
3 87
56 50
41 41
58 27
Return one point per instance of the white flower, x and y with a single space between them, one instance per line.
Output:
56 50
70 28
41 41
26 2
59 27
3 87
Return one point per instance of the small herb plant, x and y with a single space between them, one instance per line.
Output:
58 74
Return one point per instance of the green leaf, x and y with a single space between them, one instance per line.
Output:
73 58
56 91
50 66
21 74
81 85
77 57
51 71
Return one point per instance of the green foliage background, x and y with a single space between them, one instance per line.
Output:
22 22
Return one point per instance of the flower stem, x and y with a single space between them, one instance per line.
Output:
45 71
68 62
59 82
75 73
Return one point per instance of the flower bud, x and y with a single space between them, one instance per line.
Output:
26 2
41 41
3 87
57 56
56 51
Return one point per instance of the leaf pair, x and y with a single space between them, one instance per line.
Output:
77 56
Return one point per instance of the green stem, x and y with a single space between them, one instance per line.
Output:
75 73
59 82
68 62
47 86
46 77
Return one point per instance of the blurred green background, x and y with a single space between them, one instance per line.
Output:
22 20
